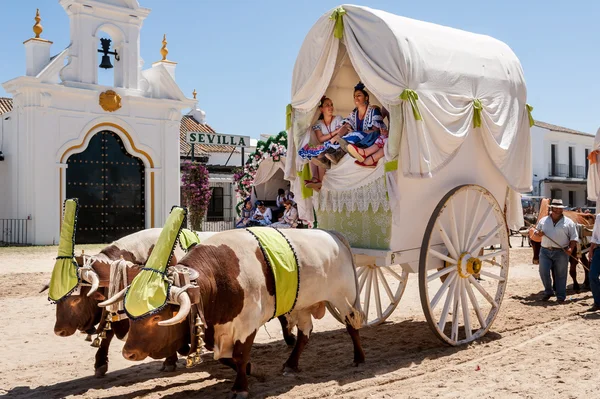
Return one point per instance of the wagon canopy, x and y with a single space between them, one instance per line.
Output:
593 177
452 80
269 179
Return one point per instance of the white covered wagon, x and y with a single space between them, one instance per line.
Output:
457 156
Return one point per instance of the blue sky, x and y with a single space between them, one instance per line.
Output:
239 55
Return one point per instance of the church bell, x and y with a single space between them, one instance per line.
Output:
106 62
105 44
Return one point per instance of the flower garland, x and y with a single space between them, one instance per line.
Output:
275 147
195 192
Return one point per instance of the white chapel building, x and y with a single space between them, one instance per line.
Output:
116 148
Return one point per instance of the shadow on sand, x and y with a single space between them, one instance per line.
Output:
328 357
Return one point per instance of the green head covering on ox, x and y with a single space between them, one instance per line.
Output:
281 257
149 290
65 277
188 239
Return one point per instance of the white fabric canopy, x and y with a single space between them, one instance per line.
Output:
446 67
267 180
593 178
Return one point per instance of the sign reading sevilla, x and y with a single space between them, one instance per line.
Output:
218 139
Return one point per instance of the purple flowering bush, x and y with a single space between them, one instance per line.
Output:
196 192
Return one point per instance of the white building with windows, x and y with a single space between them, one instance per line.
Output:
559 162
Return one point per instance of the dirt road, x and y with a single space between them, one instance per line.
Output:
533 350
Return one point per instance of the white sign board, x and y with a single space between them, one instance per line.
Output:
218 139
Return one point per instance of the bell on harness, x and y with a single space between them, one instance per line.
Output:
195 359
96 343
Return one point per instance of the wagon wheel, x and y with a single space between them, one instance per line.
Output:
461 284
381 288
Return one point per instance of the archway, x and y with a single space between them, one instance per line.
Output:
110 185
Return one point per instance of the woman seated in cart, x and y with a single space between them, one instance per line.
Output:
326 131
361 128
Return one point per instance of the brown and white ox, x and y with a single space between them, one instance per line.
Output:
81 312
237 291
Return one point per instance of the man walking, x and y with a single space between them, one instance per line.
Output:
559 238
595 266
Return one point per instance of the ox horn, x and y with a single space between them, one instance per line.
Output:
185 305
92 277
116 298
45 287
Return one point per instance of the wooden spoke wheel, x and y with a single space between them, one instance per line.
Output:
381 288
463 265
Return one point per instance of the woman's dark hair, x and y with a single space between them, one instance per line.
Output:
259 203
361 87
287 202
281 191
321 116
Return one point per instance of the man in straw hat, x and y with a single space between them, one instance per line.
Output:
559 238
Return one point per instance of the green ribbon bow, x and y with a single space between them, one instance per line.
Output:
390 166
412 96
288 117
477 113
529 109
149 290
65 278
337 16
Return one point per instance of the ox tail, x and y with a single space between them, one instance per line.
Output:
356 316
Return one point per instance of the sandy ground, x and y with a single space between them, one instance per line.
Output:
533 350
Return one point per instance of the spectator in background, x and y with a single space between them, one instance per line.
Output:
595 266
262 216
246 214
290 217
559 238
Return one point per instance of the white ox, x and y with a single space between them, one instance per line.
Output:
237 298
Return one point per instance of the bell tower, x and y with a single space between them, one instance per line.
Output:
91 22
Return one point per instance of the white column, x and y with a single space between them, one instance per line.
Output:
37 55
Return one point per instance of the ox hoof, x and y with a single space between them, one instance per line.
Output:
168 368
237 395
101 371
287 370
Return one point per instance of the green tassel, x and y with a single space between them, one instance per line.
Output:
529 109
338 16
477 113
412 96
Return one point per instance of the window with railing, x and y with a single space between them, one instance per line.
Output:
553 160
563 170
587 162
571 161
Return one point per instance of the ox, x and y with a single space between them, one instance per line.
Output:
81 312
237 291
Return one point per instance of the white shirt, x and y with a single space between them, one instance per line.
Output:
596 232
267 215
563 232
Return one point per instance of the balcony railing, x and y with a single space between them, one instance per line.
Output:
564 170
218 223
13 232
